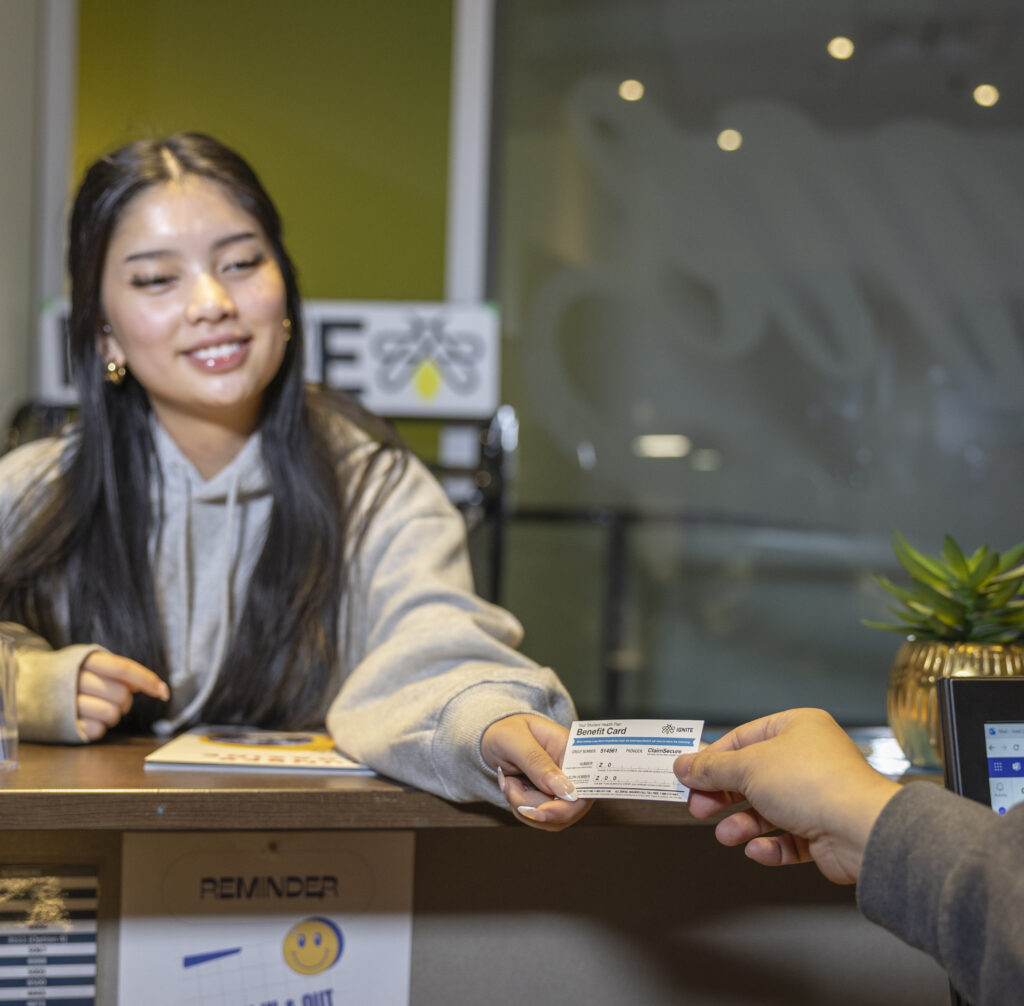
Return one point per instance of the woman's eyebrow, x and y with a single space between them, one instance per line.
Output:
232 238
155 253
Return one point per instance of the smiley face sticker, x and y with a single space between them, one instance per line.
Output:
312 945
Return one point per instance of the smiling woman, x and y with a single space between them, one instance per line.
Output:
216 542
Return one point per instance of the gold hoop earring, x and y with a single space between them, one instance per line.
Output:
115 373
287 326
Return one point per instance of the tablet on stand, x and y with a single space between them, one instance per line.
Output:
982 723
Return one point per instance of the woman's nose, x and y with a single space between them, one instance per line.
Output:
210 301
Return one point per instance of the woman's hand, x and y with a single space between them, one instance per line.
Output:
106 684
526 751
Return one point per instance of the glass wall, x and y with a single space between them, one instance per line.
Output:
761 268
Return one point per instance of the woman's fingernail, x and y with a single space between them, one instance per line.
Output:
567 791
530 812
502 784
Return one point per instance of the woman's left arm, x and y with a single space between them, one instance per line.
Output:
437 694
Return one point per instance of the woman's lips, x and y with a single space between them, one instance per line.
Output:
219 356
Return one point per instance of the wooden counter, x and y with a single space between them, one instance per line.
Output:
604 913
106 787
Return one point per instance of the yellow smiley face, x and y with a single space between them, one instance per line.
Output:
312 945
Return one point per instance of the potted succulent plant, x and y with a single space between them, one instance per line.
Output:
961 615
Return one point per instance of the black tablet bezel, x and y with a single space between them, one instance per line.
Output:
965 706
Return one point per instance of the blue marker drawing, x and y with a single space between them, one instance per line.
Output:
194 959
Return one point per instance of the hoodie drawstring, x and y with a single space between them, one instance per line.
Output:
167 726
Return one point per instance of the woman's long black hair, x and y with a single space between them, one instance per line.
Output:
86 539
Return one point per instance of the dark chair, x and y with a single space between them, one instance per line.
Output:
34 420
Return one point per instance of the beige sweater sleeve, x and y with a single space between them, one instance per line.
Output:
47 686
432 665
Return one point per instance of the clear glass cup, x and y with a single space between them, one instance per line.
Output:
8 706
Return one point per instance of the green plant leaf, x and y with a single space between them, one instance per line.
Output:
984 570
905 595
939 630
1011 557
910 616
979 554
953 554
1000 596
920 566
939 600
993 634
1010 574
1007 616
903 630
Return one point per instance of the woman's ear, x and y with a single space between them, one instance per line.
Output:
107 346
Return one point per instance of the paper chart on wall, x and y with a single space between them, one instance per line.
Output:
48 934
278 918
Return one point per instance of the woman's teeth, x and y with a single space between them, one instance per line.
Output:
217 352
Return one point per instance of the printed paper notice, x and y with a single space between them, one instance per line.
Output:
629 759
48 934
266 919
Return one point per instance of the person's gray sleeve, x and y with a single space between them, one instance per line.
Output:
944 874
434 664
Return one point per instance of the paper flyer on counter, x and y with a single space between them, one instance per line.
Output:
266 919
247 747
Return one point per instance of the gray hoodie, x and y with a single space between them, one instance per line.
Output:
428 666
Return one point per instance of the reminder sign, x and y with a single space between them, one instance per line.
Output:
268 919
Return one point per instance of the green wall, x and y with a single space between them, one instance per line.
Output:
342 107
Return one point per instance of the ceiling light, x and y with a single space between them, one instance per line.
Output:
631 90
986 95
661 445
730 139
840 47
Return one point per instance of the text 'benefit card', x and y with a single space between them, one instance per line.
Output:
629 759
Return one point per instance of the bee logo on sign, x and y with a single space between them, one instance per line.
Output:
427 356
428 360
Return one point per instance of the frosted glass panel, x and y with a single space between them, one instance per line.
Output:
771 311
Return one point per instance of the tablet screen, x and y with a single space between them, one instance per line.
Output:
1004 743
982 722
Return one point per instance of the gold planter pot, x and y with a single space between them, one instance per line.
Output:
912 701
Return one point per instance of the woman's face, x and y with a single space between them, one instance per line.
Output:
195 304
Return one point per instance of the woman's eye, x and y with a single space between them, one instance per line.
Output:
240 265
143 282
